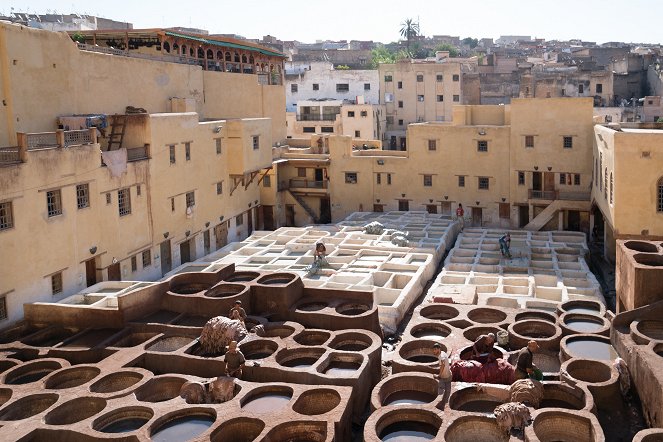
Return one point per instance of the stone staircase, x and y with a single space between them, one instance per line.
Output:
305 206
539 221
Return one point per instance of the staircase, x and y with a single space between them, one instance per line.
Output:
306 207
549 212
118 127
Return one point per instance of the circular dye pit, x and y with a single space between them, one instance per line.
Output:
658 349
486 315
420 351
278 331
31 372
342 368
304 362
353 341
124 425
225 290
29 377
439 312
277 279
409 397
28 406
312 306
641 246
352 309
160 389
182 428
583 310
116 382
242 277
5 395
75 410
408 432
593 372
258 349
536 315
583 324
430 331
240 429
72 377
316 402
651 328
588 348
190 288
475 428
582 307
267 402
310 337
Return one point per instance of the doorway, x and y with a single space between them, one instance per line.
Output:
319 178
166 258
392 142
221 234
249 222
548 181
185 251
477 216
431 208
114 273
573 222
268 217
523 216
325 211
378 208
91 272
403 205
290 215
403 143
206 242
536 181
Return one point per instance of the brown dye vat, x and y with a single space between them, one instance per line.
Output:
28 406
5 395
581 307
641 246
277 279
225 290
278 331
315 402
132 339
408 397
439 312
342 368
241 429
6 365
350 342
648 260
258 349
31 372
49 337
460 323
480 406
473 333
588 348
658 349
486 315
298 431
408 431
242 277
72 377
651 328
89 338
535 329
312 337
182 428
116 382
419 351
75 410
553 425
536 315
583 325
589 371
190 288
267 402
312 306
302 362
169 344
475 429
160 389
352 309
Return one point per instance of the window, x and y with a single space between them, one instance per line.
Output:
309 129
390 119
316 87
6 215
3 308
428 180
388 179
400 85
529 140
172 153
659 195
440 98
108 198
388 78
124 201
456 98
568 142
218 146
403 205
239 220
294 88
147 258
576 179
327 129
378 178
367 86
256 142
219 187
351 177
521 178
484 183
461 181
505 211
187 151
562 178
56 283
351 114
581 89
420 78
138 190
482 146
420 98
432 144
599 88
190 199
172 204
54 202
267 181
400 122
357 134
83 196
363 113
134 263
456 77
342 87
439 78
301 172
400 104
605 183
611 188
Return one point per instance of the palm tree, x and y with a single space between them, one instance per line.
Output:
408 30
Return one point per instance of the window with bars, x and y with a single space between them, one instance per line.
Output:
147 258
187 151
428 180
484 183
294 88
218 145
190 199
400 85
420 78
482 146
611 188
6 215
576 179
389 179
456 77
351 177
124 201
267 181
316 86
461 181
363 113
367 86
56 283
400 122
439 78
456 98
342 87
659 196
400 104
171 149
605 183
432 144
256 142
357 134
529 140
378 178
420 98
568 142
83 196
440 98
239 220
388 78
351 114
562 178
138 190
134 263
109 198
54 202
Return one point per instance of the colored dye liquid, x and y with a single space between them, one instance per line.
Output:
182 429
422 359
30 377
276 281
124 425
352 347
583 325
591 349
408 432
258 355
430 333
312 307
300 362
267 403
408 397
587 311
557 403
485 407
339 368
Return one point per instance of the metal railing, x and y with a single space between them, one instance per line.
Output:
77 137
9 155
543 194
137 153
307 184
316 117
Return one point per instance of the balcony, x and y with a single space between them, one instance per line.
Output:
57 139
316 117
304 185
10 155
549 195
575 196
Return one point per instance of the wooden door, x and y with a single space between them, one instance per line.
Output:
445 208
166 259
114 273
548 181
185 252
523 216
268 217
91 272
573 222
536 181
206 242
403 205
221 235
477 216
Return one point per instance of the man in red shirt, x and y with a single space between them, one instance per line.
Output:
460 213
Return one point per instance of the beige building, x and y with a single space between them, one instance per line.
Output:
628 182
137 198
414 91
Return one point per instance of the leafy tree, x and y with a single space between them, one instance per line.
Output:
78 37
660 120
453 52
381 55
342 67
471 42
409 30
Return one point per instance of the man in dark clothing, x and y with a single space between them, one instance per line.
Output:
237 312
525 366
483 347
234 360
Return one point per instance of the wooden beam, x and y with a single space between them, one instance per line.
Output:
262 177
237 180
253 176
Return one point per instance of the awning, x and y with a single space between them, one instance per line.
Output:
225 44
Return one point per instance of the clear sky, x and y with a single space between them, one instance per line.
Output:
310 20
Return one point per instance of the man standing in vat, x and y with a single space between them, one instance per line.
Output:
234 360
525 366
482 350
444 376
460 213
237 312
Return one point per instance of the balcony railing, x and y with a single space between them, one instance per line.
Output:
316 117
77 138
42 140
307 184
59 138
543 194
10 155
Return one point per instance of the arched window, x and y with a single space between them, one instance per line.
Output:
236 57
184 50
611 188
219 55
191 52
166 47
210 54
244 59
176 48
251 59
659 195
228 56
605 183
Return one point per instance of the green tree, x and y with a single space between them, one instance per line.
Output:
471 42
381 55
453 52
409 30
